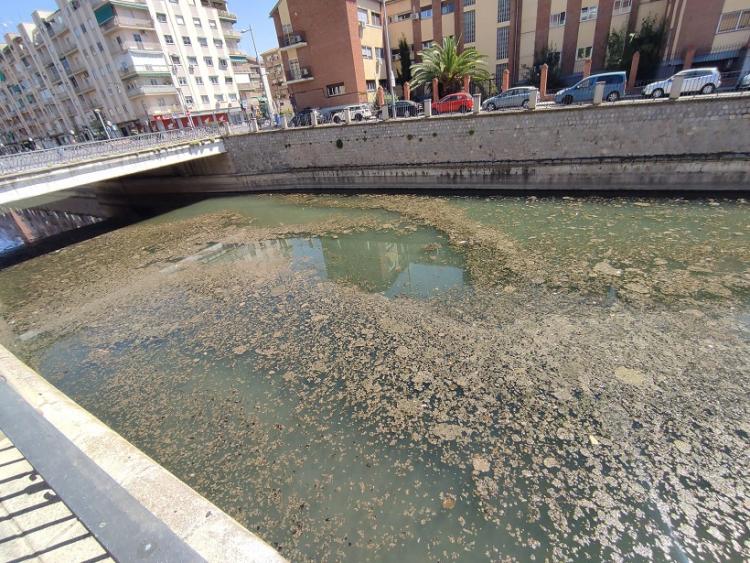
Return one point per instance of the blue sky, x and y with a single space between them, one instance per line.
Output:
249 12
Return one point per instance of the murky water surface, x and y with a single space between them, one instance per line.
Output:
394 378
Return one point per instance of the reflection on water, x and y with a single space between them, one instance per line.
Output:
416 264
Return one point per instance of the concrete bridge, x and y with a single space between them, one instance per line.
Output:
36 173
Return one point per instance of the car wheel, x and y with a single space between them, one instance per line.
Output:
463 109
435 111
525 104
658 93
567 100
358 117
708 89
337 120
491 107
613 96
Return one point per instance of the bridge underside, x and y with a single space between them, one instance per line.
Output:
64 177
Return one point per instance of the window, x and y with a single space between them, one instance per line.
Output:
376 19
180 20
192 60
447 8
588 13
83 29
189 100
469 2
379 53
209 61
161 18
218 43
503 11
182 80
169 40
212 24
734 21
403 17
233 97
199 80
228 80
100 46
425 13
219 97
557 20
213 79
362 16
197 22
175 60
502 43
427 44
186 40
335 89
470 27
366 52
583 53
203 42
223 63
372 85
205 99
622 6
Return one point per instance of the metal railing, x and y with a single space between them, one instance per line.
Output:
81 152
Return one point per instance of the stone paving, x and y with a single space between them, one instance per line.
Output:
35 525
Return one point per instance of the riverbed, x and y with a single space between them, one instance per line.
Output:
402 378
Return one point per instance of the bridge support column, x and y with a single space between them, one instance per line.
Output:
27 233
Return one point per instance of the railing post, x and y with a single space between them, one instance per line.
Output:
598 93
532 100
284 122
676 88
348 116
313 119
477 103
427 107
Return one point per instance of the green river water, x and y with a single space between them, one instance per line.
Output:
399 378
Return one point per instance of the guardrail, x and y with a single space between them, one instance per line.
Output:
70 154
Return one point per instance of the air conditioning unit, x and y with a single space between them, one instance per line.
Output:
415 16
304 72
191 69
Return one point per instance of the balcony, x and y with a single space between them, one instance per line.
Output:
144 70
151 90
232 34
227 16
68 50
292 41
301 75
122 22
126 46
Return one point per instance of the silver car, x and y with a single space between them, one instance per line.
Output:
695 81
513 98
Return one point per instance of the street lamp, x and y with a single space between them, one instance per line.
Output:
98 113
263 77
388 57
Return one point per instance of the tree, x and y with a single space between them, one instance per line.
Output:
445 63
404 52
554 72
648 41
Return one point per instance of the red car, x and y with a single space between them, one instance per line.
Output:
461 101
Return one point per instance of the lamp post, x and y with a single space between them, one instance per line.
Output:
388 58
98 113
263 76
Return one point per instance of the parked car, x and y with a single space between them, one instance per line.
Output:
461 101
304 118
696 81
359 112
583 91
513 98
407 108
744 83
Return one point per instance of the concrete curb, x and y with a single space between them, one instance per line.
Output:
209 531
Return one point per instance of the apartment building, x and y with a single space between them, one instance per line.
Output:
139 65
332 51
274 65
326 69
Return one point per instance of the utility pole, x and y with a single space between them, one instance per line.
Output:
263 77
98 113
388 58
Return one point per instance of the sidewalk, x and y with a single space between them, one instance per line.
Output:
35 525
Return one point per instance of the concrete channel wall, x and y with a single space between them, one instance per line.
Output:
199 527
691 143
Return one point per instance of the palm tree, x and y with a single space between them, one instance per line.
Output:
445 63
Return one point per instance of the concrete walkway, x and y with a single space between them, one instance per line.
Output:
35 525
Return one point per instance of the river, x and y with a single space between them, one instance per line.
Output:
403 378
